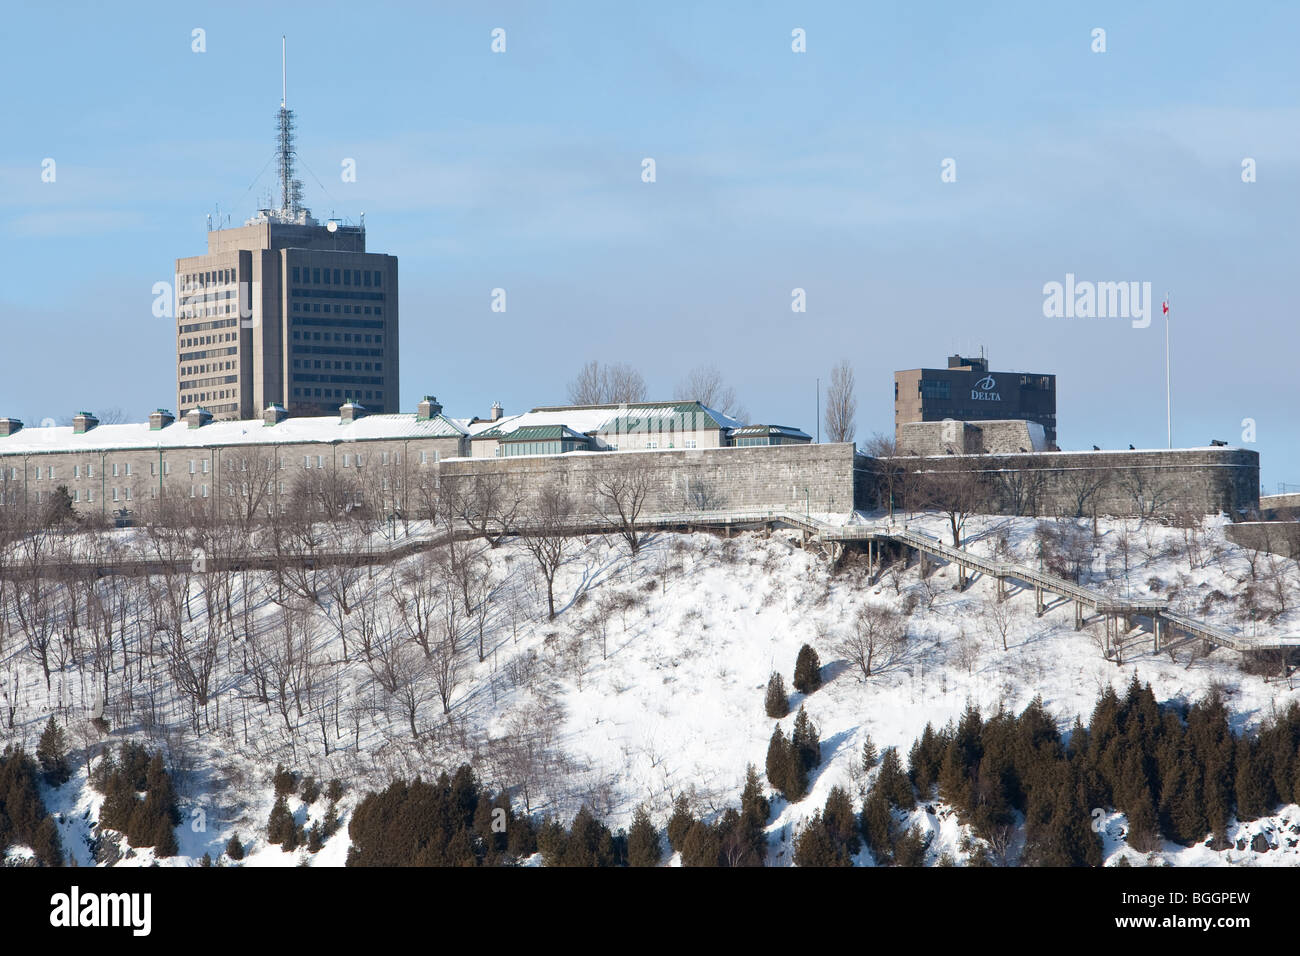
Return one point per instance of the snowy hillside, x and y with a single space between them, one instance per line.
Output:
648 683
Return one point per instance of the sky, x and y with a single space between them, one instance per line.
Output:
775 170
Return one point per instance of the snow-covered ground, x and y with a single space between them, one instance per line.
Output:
650 683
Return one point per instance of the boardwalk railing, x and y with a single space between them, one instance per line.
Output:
837 535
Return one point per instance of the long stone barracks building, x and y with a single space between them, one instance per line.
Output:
247 468
691 458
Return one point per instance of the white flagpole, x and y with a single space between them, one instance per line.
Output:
1169 406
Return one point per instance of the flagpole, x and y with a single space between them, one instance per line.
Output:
1169 406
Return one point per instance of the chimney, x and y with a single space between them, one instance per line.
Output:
497 411
351 411
427 409
83 422
160 419
274 414
8 426
197 417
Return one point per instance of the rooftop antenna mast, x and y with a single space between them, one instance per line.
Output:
290 188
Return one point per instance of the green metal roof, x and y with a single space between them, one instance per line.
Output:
541 433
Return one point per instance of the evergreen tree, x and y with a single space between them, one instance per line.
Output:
680 823
807 670
806 742
744 843
910 848
164 838
235 849
643 841
754 811
46 844
59 510
814 846
877 825
870 757
52 752
840 822
1252 793
285 781
784 772
893 783
776 704
924 759
280 827
702 846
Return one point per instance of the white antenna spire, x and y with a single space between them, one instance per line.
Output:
284 74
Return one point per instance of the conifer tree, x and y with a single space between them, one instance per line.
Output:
870 757
1252 796
234 849
52 752
784 774
643 841
840 822
807 670
680 823
776 704
924 760
702 846
910 848
806 742
280 827
814 846
893 784
754 811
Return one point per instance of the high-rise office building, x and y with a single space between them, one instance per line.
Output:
286 310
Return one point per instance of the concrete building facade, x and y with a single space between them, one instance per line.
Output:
967 391
294 313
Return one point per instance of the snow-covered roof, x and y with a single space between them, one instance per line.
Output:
249 432
590 419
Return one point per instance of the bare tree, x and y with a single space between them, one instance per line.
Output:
705 385
1020 486
1082 489
893 471
487 502
841 404
411 670
621 493
444 664
957 490
876 636
998 618
546 531
1147 490
600 384
249 487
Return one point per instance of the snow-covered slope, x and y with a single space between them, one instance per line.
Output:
650 682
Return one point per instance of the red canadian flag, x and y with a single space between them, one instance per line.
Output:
1164 306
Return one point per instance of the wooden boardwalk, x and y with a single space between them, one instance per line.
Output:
1120 614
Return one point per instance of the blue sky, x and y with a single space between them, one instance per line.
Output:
775 170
